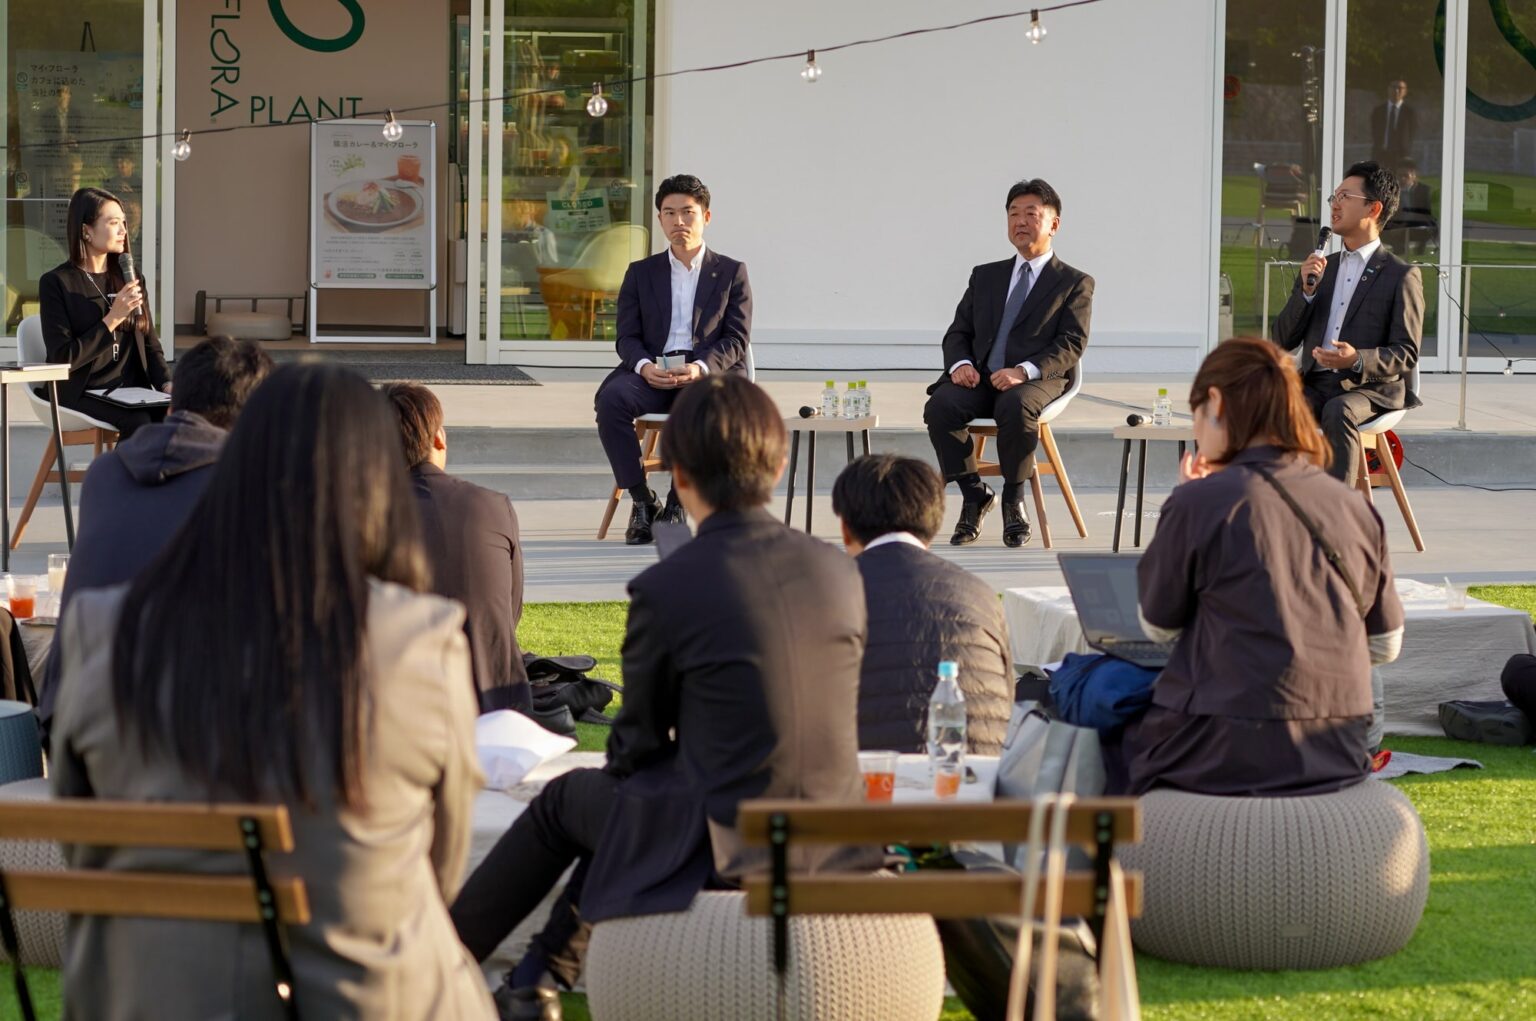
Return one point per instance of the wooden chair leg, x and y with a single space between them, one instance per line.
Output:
1363 470
979 444
38 483
1389 466
613 505
1048 441
1039 494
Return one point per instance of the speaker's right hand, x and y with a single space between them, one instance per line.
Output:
966 376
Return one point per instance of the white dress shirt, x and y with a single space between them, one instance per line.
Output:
890 537
1036 266
1351 269
685 286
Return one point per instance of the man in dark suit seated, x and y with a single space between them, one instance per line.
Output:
1018 333
690 306
471 538
741 676
1358 316
922 609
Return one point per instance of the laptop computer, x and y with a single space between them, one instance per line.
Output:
1103 587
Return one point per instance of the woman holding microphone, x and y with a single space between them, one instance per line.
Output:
95 317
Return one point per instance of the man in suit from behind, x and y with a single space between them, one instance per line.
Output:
741 672
473 547
1017 336
1358 316
689 307
922 609
1394 126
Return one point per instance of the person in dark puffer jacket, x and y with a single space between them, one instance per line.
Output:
922 609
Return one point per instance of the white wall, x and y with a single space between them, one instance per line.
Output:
860 203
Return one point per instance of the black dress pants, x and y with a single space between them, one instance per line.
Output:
562 825
125 420
623 399
1016 410
1339 412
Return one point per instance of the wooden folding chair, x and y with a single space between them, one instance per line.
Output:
648 431
249 830
1367 480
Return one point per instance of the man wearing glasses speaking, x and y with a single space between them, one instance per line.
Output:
1358 316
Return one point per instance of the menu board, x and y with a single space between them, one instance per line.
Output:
372 217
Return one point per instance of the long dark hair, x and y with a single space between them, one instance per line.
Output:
85 208
241 648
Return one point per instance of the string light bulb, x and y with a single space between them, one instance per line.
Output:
1036 30
597 105
811 74
393 131
182 150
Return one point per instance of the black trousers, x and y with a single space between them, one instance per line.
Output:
562 825
623 399
1339 412
1519 683
1017 412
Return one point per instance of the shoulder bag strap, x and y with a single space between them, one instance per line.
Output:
1329 553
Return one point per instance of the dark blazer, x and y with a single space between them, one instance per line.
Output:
72 314
923 609
1388 151
722 313
741 677
1384 321
1051 330
472 544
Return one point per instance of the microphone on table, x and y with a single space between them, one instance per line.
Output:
1322 242
1134 419
806 411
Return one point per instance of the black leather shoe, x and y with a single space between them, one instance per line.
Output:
641 517
968 528
673 513
1015 525
528 1003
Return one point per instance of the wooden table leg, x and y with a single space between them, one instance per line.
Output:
866 442
1125 471
810 477
1141 486
794 457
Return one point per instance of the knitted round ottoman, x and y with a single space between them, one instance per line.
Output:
41 932
1279 883
714 963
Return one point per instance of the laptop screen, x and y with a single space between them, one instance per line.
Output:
1103 588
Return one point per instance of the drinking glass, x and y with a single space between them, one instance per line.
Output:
58 567
879 771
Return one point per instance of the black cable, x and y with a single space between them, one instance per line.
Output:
1445 280
561 89
1462 485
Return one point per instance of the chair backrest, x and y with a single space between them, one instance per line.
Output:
1095 823
247 830
751 366
30 346
608 255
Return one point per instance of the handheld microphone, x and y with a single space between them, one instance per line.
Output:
1134 419
1322 242
125 263
806 411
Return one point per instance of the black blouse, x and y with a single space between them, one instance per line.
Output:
73 310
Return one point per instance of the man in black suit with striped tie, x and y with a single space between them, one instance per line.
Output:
1018 334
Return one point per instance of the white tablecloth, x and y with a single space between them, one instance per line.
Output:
914 779
1447 654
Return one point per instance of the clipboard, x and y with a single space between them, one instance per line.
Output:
132 396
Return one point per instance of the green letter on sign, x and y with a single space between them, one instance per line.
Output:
308 41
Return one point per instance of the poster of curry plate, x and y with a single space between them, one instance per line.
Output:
371 205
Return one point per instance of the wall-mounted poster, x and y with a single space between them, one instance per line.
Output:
372 208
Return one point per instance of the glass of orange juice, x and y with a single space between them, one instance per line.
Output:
408 168
879 771
23 596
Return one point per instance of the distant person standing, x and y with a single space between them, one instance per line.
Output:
1394 126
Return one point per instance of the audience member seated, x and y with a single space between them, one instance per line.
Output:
741 671
471 538
1268 689
280 651
922 609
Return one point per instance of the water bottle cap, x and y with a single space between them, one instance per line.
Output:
1162 391
949 670
830 384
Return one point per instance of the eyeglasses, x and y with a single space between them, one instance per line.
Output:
1338 197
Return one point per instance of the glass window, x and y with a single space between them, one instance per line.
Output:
1271 154
1498 284
73 72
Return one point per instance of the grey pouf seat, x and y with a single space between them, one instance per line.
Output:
713 962
1279 883
41 933
250 325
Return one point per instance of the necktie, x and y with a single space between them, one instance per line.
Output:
998 355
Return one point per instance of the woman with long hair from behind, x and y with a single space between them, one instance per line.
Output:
1273 579
280 650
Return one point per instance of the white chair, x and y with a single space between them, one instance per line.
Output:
77 428
648 431
574 294
1370 432
983 428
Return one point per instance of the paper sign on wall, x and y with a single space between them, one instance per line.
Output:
372 206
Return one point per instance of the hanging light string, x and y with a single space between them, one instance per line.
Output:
1032 13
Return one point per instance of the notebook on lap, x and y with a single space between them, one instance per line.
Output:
1103 587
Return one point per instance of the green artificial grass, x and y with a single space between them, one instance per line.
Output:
1519 597
568 629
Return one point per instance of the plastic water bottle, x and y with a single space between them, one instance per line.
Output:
1162 409
946 731
851 402
831 406
868 405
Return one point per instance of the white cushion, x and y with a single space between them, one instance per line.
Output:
250 325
